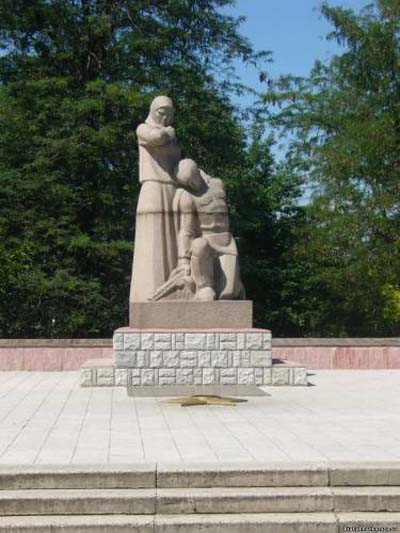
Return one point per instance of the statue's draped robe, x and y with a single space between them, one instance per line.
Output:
155 249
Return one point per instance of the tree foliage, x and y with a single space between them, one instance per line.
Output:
264 213
345 125
76 78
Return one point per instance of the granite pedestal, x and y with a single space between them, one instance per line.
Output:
193 315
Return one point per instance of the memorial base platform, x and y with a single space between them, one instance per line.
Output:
185 357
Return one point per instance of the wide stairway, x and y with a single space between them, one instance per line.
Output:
295 498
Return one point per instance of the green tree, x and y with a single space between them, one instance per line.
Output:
264 213
76 78
344 120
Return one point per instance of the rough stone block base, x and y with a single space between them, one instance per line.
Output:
176 358
188 357
191 358
102 373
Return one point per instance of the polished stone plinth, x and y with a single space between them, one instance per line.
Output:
194 315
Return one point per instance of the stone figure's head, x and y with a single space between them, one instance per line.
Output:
189 175
161 111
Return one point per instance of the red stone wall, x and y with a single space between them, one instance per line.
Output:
69 354
53 354
340 353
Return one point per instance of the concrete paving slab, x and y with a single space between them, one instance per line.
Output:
347 415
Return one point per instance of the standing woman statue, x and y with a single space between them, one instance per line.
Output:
155 252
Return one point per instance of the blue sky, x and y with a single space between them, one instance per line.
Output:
293 30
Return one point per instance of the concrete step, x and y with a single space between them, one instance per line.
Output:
367 499
274 523
244 500
267 498
77 501
237 523
243 475
77 524
301 474
383 522
278 500
200 475
366 473
78 477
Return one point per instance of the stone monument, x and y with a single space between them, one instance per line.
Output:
189 321
184 252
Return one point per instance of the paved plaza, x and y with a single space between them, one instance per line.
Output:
349 415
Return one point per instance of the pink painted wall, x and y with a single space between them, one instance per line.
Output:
70 354
50 357
361 357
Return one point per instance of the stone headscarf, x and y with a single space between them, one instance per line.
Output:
159 101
